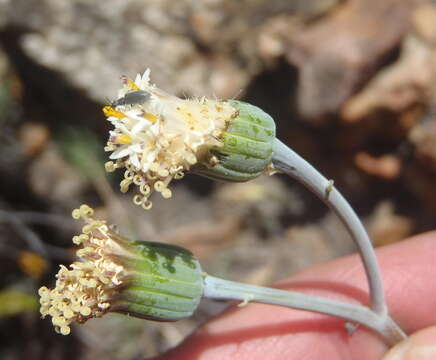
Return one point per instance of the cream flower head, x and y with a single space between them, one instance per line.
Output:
157 137
143 279
87 289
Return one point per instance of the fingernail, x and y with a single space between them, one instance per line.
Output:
420 346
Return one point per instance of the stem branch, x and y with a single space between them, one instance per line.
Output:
289 162
216 288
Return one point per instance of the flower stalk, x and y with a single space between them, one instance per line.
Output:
217 288
289 162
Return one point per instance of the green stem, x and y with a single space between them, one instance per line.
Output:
291 163
216 288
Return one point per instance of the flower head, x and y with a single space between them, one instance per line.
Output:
157 137
143 279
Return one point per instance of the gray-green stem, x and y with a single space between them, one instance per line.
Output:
216 288
289 162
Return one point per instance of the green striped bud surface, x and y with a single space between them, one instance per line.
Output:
165 282
247 146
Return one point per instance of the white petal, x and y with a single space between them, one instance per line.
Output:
120 152
136 148
145 167
123 128
135 115
138 80
113 119
154 129
135 161
146 76
151 156
140 125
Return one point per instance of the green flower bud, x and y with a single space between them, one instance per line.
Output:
165 283
143 279
247 146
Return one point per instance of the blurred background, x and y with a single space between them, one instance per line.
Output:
351 85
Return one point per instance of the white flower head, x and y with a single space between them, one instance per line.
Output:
157 137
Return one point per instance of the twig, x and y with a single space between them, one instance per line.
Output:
32 239
33 217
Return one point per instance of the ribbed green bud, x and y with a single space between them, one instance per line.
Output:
247 146
164 283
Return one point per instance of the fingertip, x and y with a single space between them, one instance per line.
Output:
419 346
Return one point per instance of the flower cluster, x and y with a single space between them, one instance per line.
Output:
157 137
86 289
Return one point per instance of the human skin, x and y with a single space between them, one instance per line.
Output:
268 332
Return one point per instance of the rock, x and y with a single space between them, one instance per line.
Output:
193 47
337 55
